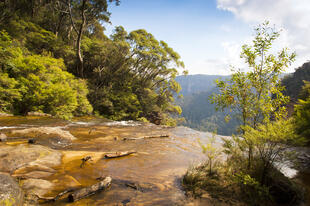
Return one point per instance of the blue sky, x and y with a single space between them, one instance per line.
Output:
208 34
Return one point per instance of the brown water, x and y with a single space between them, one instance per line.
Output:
157 166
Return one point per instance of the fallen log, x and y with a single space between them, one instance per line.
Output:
145 137
87 191
118 154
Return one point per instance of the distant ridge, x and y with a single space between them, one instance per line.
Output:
192 84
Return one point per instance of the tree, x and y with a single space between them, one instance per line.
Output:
82 14
211 151
133 76
255 96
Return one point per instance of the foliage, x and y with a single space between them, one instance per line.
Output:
39 83
302 113
270 143
8 93
255 96
211 151
132 76
128 75
254 192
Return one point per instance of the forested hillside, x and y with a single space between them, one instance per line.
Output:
56 59
200 114
197 110
191 84
294 82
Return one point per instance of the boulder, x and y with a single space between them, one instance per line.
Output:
44 131
10 193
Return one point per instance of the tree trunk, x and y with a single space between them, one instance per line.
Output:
250 157
80 65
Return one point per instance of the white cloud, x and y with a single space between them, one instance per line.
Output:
291 15
223 65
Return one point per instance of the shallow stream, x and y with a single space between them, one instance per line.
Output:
157 167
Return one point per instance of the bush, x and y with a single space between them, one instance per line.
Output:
40 83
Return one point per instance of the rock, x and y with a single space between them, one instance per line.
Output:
30 168
34 174
5 115
15 157
37 187
41 114
67 181
3 137
10 193
41 131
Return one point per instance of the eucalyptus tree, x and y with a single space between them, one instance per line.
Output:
139 66
83 13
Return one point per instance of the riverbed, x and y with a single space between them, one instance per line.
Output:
156 168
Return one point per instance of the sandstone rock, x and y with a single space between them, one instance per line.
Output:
34 167
48 131
37 187
34 174
41 114
10 193
5 115
3 137
15 157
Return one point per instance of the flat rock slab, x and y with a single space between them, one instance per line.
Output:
10 193
24 155
37 187
49 131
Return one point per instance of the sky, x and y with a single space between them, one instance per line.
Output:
209 34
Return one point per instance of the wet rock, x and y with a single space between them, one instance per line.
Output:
37 187
5 115
34 174
67 181
3 137
45 131
41 114
10 193
57 142
15 157
30 168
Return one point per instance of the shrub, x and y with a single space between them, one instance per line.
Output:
40 83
